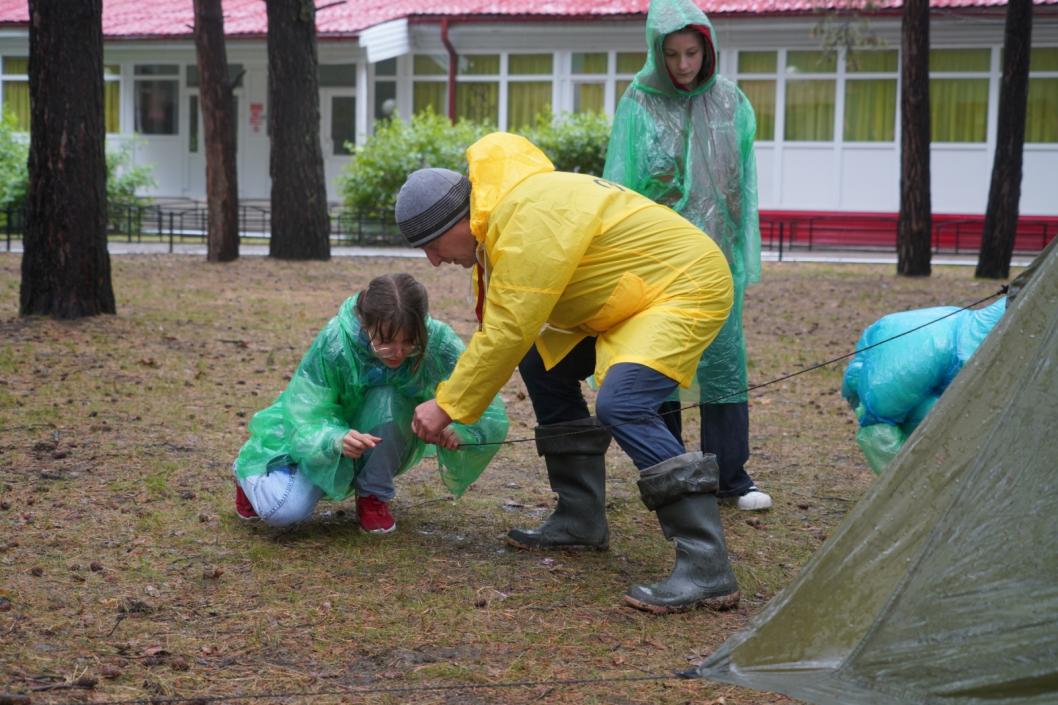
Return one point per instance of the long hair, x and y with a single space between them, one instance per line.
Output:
395 303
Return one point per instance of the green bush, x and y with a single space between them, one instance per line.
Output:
373 178
124 178
14 174
574 142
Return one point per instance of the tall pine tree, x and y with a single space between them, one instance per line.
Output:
65 263
300 225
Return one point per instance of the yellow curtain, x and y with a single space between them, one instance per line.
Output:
16 102
478 101
870 110
809 111
1041 121
761 96
112 106
525 64
526 100
429 94
958 109
588 97
757 61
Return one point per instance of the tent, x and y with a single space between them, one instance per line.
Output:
941 585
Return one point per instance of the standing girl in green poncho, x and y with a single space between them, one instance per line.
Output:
343 424
683 136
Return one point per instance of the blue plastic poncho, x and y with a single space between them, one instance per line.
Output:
894 386
693 151
341 384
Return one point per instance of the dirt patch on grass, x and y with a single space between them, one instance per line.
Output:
125 574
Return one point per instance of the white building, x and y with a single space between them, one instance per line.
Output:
828 128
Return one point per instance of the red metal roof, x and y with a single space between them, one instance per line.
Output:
162 19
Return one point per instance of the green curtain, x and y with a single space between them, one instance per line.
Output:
478 101
1041 121
761 96
16 102
526 100
809 111
429 94
958 109
870 110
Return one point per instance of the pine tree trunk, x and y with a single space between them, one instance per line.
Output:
218 122
300 227
1004 195
65 264
915 223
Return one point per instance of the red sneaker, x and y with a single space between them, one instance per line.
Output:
373 515
243 507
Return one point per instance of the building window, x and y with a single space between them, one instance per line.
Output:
15 96
527 98
156 87
478 88
810 96
193 118
337 75
958 94
385 89
1041 119
756 78
429 90
628 65
589 81
343 124
870 96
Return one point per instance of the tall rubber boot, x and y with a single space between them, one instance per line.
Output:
574 453
682 490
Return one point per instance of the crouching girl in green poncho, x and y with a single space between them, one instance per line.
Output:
343 424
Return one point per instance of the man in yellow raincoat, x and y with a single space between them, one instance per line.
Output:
579 276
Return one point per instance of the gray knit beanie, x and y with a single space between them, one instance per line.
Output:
430 202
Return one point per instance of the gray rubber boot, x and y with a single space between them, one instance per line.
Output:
682 490
574 453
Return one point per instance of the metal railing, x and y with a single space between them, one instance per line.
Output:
182 222
186 221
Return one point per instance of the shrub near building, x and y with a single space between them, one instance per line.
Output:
370 183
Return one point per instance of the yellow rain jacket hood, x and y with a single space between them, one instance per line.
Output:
566 256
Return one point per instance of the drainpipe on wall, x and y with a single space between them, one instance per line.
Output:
453 60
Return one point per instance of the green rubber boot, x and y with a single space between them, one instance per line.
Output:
574 453
682 490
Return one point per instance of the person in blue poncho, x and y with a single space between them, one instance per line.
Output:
343 424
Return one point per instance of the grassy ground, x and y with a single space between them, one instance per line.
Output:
125 574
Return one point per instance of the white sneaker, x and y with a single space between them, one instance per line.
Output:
754 501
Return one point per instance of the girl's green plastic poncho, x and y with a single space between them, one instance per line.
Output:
341 384
693 151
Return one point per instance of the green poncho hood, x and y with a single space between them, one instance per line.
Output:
664 18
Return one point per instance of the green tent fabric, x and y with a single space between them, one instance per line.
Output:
941 586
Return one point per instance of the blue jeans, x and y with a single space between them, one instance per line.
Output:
627 401
283 496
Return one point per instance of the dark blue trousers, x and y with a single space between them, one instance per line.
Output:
627 401
725 433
